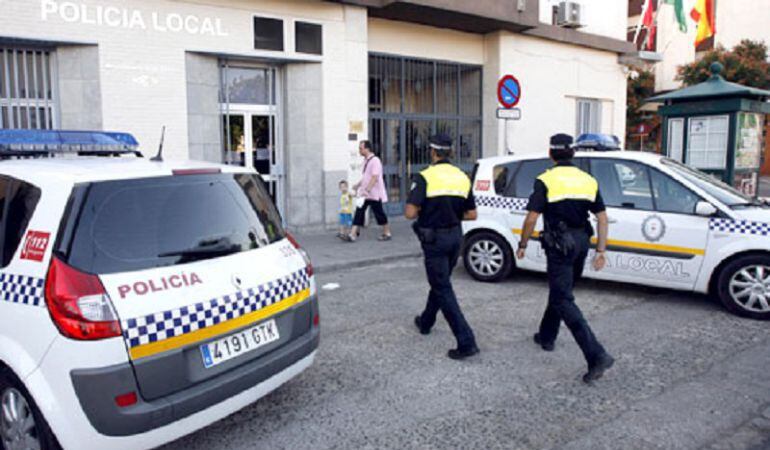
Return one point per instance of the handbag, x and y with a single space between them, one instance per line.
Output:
359 202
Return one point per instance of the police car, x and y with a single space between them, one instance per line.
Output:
670 226
140 299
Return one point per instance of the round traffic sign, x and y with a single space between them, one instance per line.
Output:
508 91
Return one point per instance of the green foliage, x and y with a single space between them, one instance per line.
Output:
745 64
640 86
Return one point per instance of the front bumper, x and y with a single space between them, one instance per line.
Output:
96 390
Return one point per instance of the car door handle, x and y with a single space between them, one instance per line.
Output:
519 212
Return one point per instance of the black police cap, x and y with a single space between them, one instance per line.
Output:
561 141
441 141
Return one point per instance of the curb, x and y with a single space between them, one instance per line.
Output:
326 268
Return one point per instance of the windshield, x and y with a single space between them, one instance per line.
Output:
716 188
138 224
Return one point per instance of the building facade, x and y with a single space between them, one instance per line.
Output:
290 87
734 21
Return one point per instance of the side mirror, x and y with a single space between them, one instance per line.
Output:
705 209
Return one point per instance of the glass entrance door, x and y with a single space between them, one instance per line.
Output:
251 123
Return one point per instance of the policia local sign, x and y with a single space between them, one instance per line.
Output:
130 18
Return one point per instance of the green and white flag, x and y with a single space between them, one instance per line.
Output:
681 18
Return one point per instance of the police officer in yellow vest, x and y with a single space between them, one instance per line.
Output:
565 195
440 199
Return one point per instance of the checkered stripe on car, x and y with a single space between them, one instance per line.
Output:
502 202
740 226
167 324
22 289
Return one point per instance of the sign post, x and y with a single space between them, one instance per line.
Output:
508 96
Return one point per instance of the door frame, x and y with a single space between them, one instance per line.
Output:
276 179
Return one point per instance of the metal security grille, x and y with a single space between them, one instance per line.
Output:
412 99
27 88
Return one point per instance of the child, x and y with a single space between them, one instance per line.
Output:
346 210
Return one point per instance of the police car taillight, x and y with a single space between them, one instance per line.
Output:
79 306
305 256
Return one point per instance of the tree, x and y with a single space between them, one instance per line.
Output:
640 86
745 64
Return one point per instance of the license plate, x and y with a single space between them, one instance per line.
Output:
235 345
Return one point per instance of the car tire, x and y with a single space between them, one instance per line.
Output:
15 400
487 257
743 284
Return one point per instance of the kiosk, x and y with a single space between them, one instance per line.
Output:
717 127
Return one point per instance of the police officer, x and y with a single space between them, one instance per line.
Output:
440 199
565 195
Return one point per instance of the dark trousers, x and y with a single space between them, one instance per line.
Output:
563 271
440 259
377 209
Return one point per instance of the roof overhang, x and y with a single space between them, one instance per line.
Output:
477 16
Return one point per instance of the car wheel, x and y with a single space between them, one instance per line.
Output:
487 257
744 287
22 427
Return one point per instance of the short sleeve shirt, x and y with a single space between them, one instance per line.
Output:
438 212
373 169
574 213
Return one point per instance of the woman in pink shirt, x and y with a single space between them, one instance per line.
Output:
372 189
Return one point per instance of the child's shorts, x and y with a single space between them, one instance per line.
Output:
346 219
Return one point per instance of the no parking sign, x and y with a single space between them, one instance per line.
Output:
508 91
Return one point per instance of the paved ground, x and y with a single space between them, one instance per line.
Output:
330 253
688 374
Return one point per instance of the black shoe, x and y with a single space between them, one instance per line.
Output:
594 373
547 346
418 322
459 354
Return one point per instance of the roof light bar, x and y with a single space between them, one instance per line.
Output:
24 143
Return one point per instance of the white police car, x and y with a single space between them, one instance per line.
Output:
670 226
140 300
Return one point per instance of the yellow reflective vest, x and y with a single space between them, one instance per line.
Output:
446 180
569 183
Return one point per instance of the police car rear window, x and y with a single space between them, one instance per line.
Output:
138 224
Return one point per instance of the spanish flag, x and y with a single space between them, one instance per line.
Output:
703 15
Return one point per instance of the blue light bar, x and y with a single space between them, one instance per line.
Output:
64 141
597 141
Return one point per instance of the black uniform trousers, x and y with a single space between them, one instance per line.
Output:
563 271
441 256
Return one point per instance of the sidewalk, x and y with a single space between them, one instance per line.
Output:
329 253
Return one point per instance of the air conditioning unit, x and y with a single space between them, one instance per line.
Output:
568 15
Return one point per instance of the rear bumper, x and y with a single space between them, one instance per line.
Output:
96 390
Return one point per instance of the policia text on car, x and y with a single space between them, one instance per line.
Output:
565 195
440 199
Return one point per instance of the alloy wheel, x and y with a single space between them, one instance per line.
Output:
750 288
17 424
486 257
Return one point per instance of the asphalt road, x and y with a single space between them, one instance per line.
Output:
688 374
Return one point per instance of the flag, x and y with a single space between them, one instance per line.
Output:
681 19
649 24
703 15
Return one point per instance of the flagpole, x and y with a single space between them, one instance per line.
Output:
641 20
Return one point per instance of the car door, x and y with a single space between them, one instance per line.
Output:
655 238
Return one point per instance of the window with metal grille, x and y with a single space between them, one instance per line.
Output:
27 88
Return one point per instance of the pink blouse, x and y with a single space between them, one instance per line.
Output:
373 168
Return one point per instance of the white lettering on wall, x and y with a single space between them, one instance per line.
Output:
116 17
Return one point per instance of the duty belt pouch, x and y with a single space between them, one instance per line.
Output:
559 240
